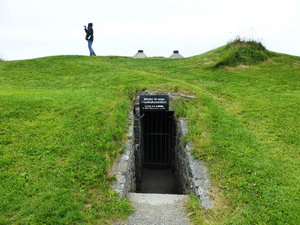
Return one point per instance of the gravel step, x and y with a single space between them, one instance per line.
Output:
166 209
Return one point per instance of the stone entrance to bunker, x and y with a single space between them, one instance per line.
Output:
157 158
155 136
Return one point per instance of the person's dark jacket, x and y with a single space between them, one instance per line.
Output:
89 32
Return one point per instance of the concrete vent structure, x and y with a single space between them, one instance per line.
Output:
176 55
140 54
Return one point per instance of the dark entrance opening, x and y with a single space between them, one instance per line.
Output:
159 139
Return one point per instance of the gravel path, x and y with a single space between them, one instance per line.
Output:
163 209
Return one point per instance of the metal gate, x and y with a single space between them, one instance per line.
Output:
157 138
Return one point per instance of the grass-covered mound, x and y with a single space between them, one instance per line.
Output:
242 52
63 122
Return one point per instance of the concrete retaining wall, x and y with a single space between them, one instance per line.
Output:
190 173
124 168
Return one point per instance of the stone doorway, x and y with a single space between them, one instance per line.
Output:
157 176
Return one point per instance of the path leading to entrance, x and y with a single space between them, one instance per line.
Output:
158 209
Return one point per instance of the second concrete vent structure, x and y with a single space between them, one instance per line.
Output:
140 54
176 55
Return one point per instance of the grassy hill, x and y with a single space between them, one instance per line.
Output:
63 122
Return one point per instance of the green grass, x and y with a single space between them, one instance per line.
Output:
63 122
240 52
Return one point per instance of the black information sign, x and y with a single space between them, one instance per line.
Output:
154 103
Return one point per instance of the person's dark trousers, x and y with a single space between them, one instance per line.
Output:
90 48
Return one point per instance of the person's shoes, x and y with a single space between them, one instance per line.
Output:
94 54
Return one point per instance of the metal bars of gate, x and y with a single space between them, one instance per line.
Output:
157 129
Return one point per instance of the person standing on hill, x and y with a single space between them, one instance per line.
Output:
90 37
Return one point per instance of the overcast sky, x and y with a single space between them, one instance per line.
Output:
37 28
